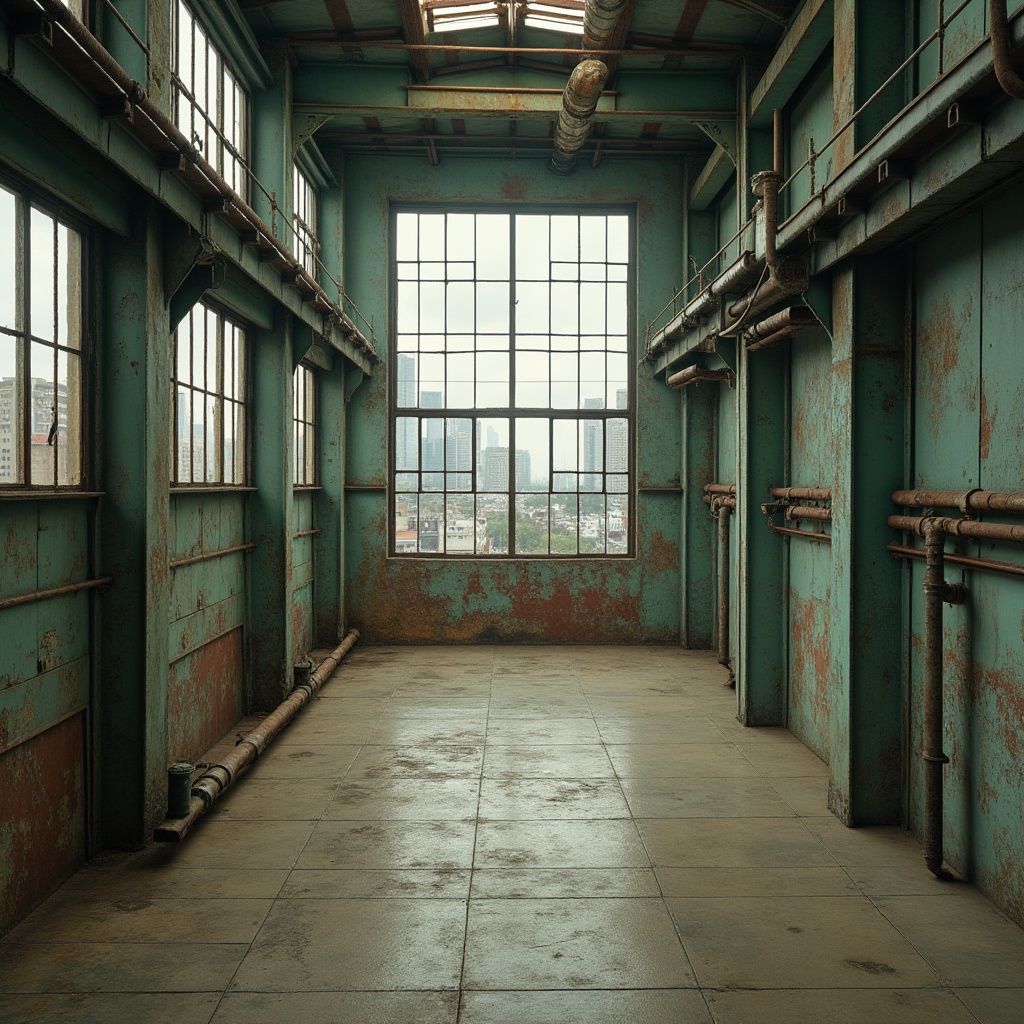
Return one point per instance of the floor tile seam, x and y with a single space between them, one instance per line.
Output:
872 900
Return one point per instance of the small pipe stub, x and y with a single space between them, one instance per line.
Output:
179 789
302 671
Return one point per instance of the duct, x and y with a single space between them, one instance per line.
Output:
999 29
788 278
208 788
156 130
694 374
599 20
729 280
579 101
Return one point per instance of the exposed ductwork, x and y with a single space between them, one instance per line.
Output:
579 101
599 19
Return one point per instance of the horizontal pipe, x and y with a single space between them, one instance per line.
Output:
45 595
207 789
719 488
825 538
958 528
802 493
207 555
734 276
984 564
795 512
695 374
1002 502
305 533
778 326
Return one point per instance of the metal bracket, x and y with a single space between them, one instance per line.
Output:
722 133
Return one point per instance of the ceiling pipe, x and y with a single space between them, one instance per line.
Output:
209 787
999 33
579 101
599 20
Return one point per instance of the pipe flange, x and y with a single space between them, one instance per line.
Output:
758 181
964 504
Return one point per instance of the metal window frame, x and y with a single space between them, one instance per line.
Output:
223 317
227 151
27 198
511 412
308 416
304 219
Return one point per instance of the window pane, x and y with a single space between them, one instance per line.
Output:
405 523
532 441
10 419
8 261
492 254
532 524
69 419
44 415
42 272
532 241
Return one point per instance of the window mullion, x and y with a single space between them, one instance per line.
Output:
513 334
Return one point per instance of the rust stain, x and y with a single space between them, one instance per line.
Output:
664 556
205 696
810 658
988 423
514 188
42 834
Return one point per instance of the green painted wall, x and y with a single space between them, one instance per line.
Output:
599 600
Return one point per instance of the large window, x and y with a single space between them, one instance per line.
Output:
208 391
41 334
512 414
210 105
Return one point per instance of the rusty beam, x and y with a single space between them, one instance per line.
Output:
413 32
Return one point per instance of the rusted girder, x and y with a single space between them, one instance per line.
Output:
579 101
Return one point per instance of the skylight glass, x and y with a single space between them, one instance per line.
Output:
555 18
454 17
562 16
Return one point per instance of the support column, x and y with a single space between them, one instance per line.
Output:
332 224
270 581
133 411
329 613
272 154
698 544
761 667
865 745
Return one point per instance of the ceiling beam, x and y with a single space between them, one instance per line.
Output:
689 19
413 32
337 10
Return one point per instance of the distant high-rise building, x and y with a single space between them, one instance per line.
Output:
593 449
406 449
432 457
524 471
459 454
495 469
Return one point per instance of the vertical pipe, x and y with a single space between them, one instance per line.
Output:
931 753
723 591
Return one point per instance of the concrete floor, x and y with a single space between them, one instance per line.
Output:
499 835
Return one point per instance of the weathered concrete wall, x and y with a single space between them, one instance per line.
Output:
969 407
591 600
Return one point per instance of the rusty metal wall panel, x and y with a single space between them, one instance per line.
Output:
810 699
204 698
808 122
42 827
303 572
969 401
32 706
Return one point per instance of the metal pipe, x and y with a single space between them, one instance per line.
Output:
825 538
778 326
724 511
217 778
694 374
579 101
936 590
797 512
802 493
733 277
207 555
717 501
719 488
765 185
984 564
164 134
976 500
599 20
999 31
788 278
959 527
45 595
